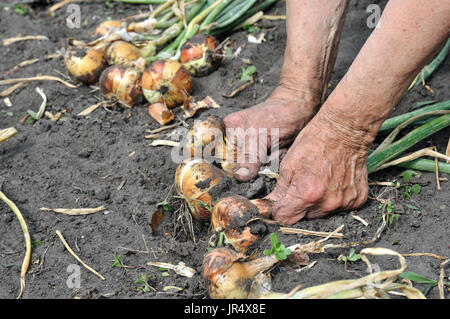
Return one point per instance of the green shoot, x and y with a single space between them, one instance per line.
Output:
21 9
36 243
117 261
393 217
389 208
408 189
246 73
165 205
165 272
419 279
278 249
251 28
142 283
352 257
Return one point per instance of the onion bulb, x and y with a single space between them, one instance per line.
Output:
118 52
106 26
201 54
208 132
240 221
200 183
85 64
123 82
207 138
229 275
166 81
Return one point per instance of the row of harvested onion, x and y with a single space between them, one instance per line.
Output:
227 272
120 67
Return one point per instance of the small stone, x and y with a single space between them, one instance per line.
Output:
85 153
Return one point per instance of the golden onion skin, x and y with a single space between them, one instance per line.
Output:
224 274
166 81
200 55
200 183
123 82
229 275
239 220
85 64
104 27
118 52
203 133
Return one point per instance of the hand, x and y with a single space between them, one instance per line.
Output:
323 171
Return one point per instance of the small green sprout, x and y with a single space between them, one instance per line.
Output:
20 9
165 205
251 28
278 249
117 261
246 73
351 258
142 283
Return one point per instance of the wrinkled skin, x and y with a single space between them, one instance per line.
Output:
325 168
283 110
323 171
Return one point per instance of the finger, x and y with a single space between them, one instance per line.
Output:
282 185
288 210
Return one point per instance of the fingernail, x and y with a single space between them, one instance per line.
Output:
242 172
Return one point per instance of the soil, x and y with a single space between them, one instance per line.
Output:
104 159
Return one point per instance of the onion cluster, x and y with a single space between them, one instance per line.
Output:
165 81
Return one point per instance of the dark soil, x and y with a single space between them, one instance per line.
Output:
81 162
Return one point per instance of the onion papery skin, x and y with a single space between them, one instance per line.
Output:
166 81
106 26
200 183
240 221
200 55
119 52
229 275
203 133
85 64
225 277
123 82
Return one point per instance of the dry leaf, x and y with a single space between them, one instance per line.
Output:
157 218
191 108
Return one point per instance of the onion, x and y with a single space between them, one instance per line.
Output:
240 221
229 276
123 82
85 64
200 183
106 26
168 82
120 52
200 55
204 133
209 135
